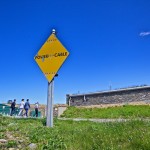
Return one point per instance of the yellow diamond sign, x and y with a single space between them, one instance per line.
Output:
51 56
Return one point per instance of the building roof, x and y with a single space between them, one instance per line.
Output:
111 91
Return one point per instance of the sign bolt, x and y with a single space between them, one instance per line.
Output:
53 31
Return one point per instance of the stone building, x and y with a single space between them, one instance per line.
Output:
120 96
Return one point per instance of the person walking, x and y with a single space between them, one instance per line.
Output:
13 107
36 109
26 107
21 107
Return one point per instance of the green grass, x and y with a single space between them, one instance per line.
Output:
71 135
126 111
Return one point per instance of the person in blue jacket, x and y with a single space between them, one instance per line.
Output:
26 107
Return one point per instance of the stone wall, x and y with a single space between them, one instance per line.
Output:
137 94
58 109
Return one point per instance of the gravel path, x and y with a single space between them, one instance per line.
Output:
103 120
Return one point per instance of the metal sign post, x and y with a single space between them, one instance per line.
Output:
50 58
49 118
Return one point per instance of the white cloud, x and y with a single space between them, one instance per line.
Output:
144 33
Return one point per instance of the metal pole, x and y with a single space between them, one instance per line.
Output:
49 116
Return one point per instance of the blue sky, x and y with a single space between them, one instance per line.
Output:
108 41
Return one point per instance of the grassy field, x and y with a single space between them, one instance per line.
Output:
126 111
81 135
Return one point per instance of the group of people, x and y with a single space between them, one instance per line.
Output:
23 106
